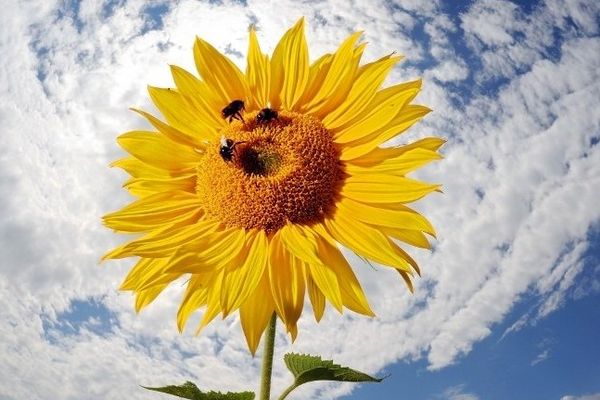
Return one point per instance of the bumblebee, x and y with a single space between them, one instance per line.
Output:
227 149
233 110
266 114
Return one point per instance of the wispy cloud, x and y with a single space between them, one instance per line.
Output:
540 357
457 393
582 397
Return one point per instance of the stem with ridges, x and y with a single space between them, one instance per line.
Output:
267 362
288 391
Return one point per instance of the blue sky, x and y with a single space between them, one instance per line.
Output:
508 303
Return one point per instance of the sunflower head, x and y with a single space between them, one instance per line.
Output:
254 179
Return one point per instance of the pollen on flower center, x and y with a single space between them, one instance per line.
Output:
286 169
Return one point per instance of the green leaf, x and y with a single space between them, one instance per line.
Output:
308 368
190 391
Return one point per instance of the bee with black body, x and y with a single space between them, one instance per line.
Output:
234 110
265 115
227 148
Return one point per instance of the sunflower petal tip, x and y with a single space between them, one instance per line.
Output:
200 328
395 57
339 308
252 349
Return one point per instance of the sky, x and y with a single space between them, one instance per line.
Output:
507 306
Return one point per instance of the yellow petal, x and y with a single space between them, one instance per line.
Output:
341 93
406 118
338 80
207 105
369 79
147 186
258 73
158 280
196 296
256 313
209 252
352 295
221 75
407 279
321 232
164 242
293 331
143 268
175 135
326 280
181 115
286 275
147 296
302 243
317 299
290 68
401 165
138 169
213 300
153 212
240 280
401 207
384 188
402 217
380 155
316 76
366 241
381 111
156 150
412 237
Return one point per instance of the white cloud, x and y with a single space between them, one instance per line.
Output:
450 70
457 393
526 150
543 356
583 397
510 41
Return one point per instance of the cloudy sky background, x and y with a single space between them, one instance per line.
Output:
508 303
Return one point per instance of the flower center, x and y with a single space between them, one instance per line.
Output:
285 169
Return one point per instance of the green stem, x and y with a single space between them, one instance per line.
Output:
287 391
267 362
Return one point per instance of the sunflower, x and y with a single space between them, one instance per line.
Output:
253 181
